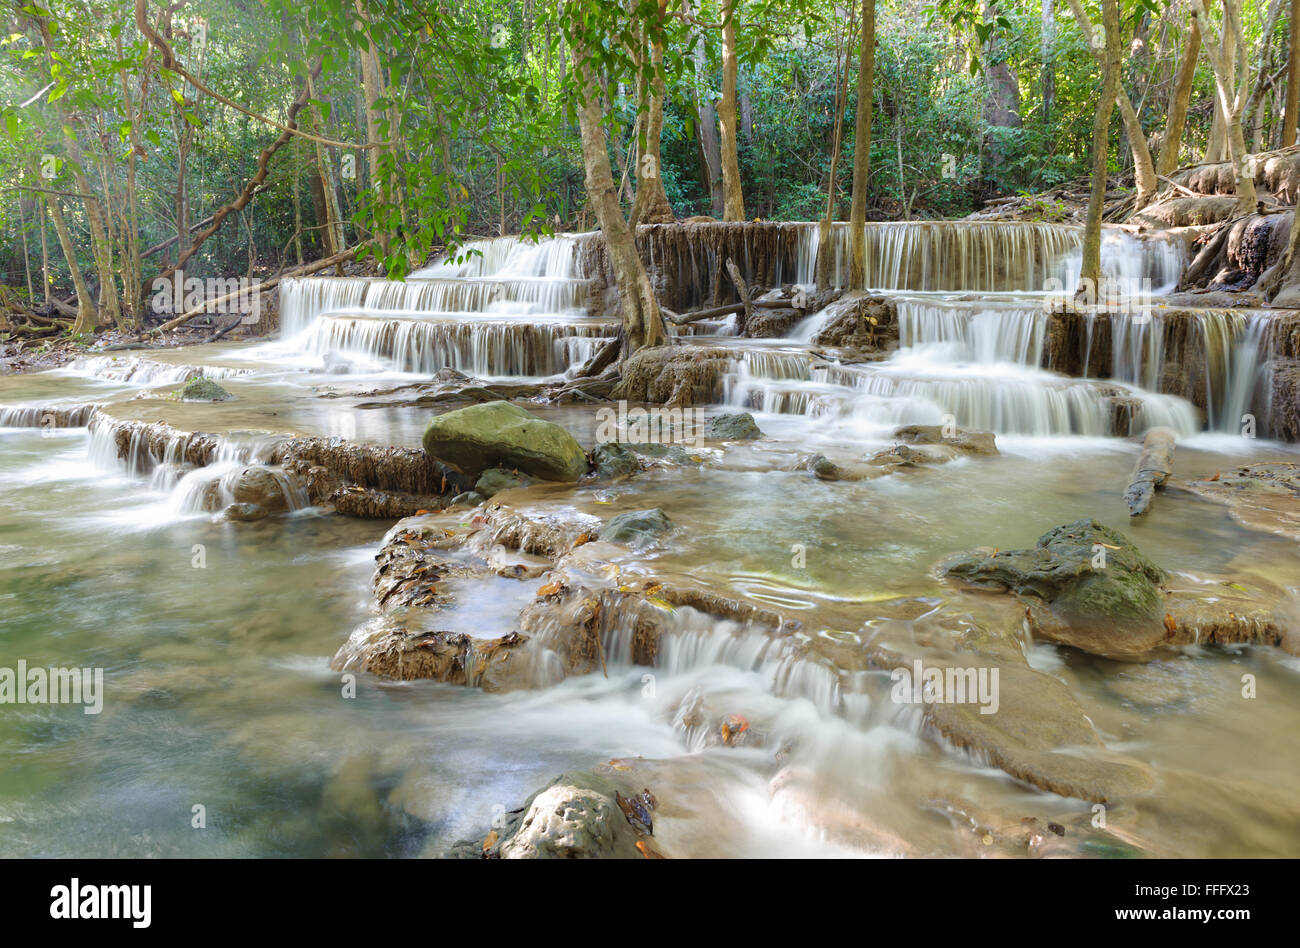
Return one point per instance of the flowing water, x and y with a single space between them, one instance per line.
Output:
215 637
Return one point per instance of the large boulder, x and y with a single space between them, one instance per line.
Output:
259 486
499 434
577 817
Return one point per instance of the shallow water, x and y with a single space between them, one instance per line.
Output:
215 640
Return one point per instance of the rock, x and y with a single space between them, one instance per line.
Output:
859 322
966 442
1038 732
202 389
246 512
734 427
576 817
636 526
772 322
499 434
1085 571
676 376
495 480
825 468
611 460
469 498
259 486
371 504
1263 496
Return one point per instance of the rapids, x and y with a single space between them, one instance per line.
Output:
215 637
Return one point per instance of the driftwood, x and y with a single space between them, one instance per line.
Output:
1153 468
743 289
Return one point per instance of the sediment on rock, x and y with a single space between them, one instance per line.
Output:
676 376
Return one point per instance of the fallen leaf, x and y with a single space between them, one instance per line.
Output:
1170 625
550 589
648 851
490 840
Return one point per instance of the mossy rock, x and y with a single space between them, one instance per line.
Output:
494 480
1084 570
637 527
499 434
734 427
201 389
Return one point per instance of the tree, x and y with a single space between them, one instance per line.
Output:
862 148
1292 79
1090 270
1180 96
587 29
733 197
1232 94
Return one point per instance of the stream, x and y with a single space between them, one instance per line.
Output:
216 637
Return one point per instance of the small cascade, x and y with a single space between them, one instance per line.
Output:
1137 348
305 298
46 416
511 257
1235 397
979 333
486 346
141 371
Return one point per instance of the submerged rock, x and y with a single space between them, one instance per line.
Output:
739 426
1263 496
246 512
1084 570
469 498
636 526
612 460
496 479
501 434
202 389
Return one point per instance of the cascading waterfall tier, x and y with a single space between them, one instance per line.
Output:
484 346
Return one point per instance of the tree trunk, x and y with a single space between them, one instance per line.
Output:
862 148
642 323
707 125
733 199
1047 55
1179 98
825 251
1090 272
1292 80
85 307
1144 171
1224 50
651 203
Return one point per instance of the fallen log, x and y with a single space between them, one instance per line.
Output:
683 318
1153 468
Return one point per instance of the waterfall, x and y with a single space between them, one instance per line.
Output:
483 346
985 334
147 371
1236 396
988 256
